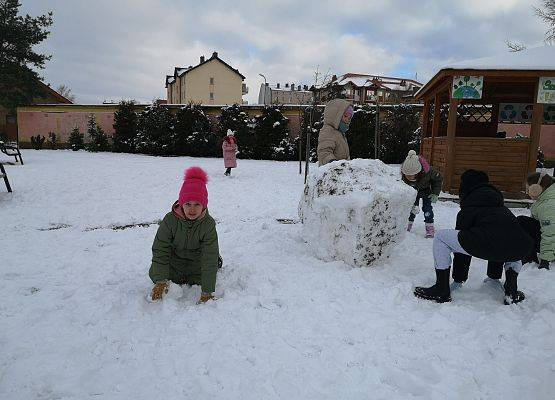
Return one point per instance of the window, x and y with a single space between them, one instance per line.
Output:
211 95
211 81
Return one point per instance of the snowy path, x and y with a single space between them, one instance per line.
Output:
74 323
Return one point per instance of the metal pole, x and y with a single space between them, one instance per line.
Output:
300 140
376 128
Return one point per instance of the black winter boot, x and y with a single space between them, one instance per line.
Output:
512 294
440 292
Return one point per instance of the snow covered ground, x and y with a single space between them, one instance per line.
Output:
74 323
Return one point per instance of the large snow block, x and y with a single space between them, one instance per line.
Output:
355 211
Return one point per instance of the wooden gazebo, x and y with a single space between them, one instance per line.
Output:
462 113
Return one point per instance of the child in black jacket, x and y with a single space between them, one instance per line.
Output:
485 229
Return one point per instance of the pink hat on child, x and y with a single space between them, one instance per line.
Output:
194 187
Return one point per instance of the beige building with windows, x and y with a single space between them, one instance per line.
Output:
212 81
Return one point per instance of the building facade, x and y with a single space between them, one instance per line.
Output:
369 89
212 81
286 94
8 119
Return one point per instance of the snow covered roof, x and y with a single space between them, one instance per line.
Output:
390 83
541 58
538 58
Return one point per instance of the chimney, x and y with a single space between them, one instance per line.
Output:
215 54
305 87
201 59
286 85
277 86
292 86
334 78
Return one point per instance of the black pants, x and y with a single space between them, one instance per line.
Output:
461 262
532 227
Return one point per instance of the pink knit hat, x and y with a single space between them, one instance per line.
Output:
194 187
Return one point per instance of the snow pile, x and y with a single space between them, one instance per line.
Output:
355 211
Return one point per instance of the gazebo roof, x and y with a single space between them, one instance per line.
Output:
535 60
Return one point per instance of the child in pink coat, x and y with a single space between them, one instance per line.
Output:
229 147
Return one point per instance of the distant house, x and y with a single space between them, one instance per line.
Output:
8 120
284 94
361 89
211 81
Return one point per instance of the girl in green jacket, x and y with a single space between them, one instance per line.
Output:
541 227
185 249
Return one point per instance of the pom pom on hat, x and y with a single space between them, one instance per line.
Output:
411 165
194 187
230 132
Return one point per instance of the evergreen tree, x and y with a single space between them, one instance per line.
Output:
76 140
155 127
399 133
271 132
98 139
125 127
19 84
361 133
317 124
193 135
236 119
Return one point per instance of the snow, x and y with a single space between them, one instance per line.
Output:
75 323
536 58
276 124
355 211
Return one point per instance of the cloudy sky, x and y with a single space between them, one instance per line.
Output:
109 50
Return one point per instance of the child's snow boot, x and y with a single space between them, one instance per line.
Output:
544 264
440 292
430 231
512 294
409 226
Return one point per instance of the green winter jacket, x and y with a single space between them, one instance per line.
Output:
430 183
544 211
186 251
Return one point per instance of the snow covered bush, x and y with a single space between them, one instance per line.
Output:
361 133
314 130
271 132
155 125
125 127
234 117
98 139
75 140
355 211
399 133
192 134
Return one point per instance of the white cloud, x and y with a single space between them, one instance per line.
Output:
124 49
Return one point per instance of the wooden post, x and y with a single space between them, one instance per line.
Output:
450 154
435 124
535 129
425 123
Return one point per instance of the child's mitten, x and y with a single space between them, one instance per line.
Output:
433 198
159 290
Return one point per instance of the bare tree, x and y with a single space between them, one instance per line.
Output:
547 15
65 91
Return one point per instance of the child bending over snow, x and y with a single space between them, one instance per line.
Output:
185 249
427 181
485 229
